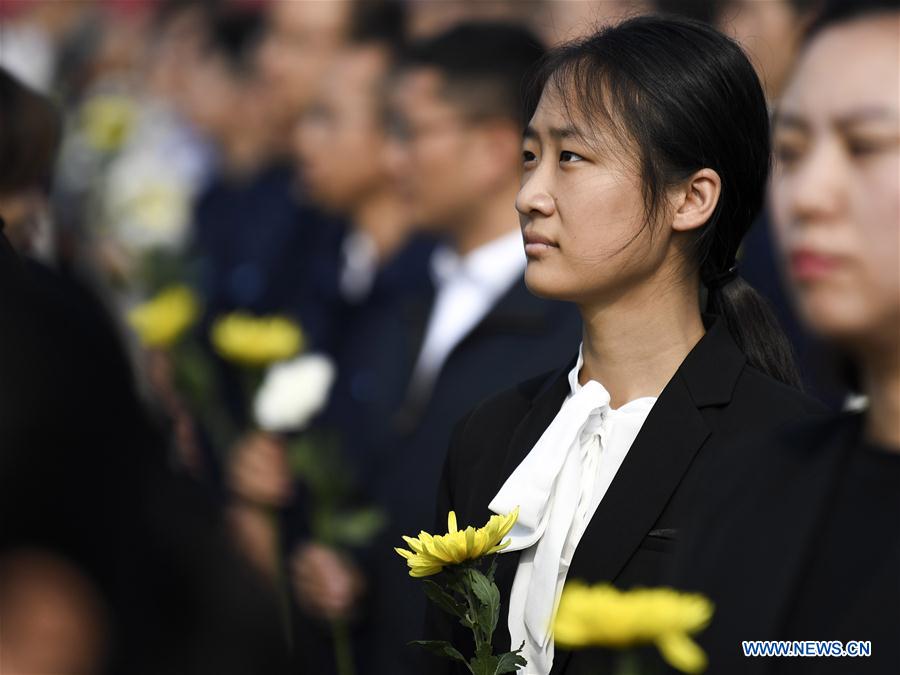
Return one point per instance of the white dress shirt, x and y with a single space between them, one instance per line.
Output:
558 487
467 288
359 258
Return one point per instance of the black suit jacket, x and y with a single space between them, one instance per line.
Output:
755 544
85 478
713 401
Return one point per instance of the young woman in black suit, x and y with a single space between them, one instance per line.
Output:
645 162
809 548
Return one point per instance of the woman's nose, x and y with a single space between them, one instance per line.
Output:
534 198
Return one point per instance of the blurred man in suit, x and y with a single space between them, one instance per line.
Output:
472 331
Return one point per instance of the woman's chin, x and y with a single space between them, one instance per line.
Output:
544 286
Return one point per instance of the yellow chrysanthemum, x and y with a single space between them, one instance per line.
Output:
256 341
607 617
159 322
107 120
430 554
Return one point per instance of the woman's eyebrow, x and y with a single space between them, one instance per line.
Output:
863 115
792 120
559 133
566 132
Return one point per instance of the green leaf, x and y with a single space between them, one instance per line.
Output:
356 528
444 600
510 662
489 596
484 663
441 648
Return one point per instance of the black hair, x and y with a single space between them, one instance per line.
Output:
234 34
30 135
484 66
833 12
380 22
687 98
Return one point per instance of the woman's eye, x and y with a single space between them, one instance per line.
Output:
864 147
528 156
786 154
568 156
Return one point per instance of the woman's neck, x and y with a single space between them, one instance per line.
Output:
634 345
881 380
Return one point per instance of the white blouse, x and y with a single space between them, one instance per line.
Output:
557 488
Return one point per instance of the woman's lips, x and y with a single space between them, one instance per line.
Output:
807 265
536 244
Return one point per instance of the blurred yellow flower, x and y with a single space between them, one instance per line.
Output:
160 321
256 341
430 554
107 121
607 617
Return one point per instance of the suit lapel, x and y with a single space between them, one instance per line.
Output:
643 485
415 316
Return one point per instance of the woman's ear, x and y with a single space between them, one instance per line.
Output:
695 200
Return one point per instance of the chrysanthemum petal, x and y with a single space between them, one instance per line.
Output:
682 653
414 544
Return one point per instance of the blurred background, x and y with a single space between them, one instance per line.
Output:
226 185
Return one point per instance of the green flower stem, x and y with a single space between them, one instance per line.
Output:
340 631
281 581
628 663
473 612
343 649
251 380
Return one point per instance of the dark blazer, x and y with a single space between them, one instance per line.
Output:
85 478
753 551
713 401
521 336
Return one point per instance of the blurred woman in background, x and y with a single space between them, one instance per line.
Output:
809 548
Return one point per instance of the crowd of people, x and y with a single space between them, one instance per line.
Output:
631 267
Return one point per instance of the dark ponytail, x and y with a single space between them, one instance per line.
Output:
755 329
687 98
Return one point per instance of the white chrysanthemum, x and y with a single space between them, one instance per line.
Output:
292 392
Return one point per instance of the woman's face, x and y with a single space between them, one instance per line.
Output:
581 211
836 186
